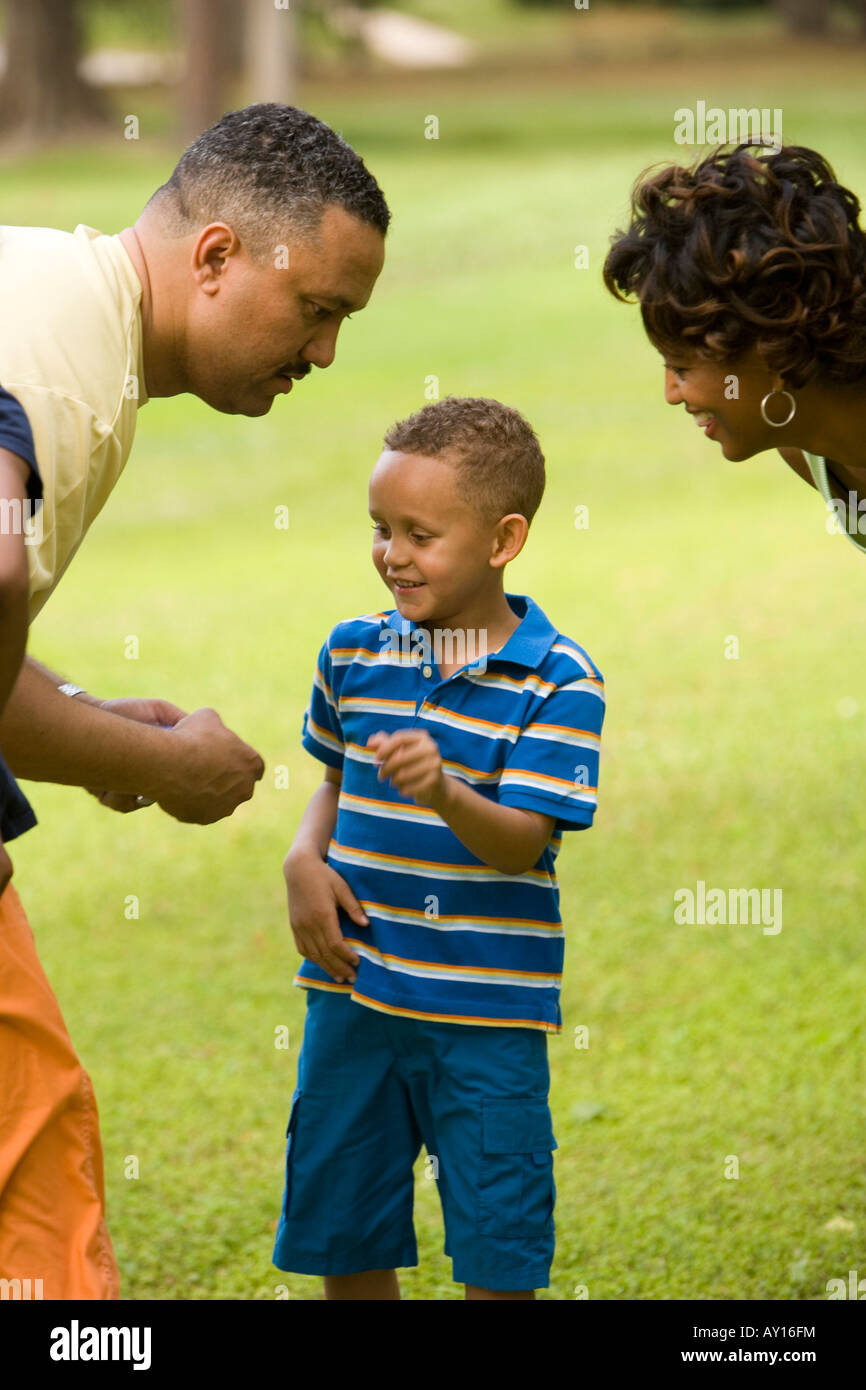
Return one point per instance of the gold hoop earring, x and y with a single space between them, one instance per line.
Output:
778 424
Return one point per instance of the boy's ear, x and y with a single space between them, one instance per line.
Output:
511 533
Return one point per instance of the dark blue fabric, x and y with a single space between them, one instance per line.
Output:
17 437
16 813
372 1088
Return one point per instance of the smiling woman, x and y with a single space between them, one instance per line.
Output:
750 271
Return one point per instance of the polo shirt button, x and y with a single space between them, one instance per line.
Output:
428 671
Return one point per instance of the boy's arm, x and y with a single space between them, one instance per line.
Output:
14 580
14 598
505 837
317 823
314 888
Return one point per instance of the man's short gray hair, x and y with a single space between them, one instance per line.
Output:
266 170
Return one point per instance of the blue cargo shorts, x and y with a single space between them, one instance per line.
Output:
372 1088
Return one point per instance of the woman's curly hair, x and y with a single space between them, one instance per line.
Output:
745 249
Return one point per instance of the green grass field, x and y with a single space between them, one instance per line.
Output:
704 1042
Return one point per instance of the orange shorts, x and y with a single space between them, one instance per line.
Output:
52 1191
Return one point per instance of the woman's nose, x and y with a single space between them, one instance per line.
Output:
673 395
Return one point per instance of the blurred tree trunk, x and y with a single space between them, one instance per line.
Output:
42 93
209 64
233 28
805 16
271 51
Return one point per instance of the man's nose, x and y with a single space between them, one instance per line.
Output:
673 395
322 347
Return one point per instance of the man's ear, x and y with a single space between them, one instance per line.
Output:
510 538
212 249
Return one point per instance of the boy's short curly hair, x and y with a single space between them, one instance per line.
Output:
745 249
493 448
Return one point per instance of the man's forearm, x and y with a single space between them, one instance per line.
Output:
13 641
56 680
48 737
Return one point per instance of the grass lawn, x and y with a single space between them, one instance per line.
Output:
705 1042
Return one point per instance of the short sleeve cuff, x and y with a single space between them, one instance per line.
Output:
569 815
320 751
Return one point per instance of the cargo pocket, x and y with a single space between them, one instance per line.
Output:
516 1192
290 1143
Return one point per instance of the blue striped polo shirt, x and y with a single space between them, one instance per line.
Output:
450 938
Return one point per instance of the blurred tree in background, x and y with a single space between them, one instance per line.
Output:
42 92
209 55
210 52
800 16
224 42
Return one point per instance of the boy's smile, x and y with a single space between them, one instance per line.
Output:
433 550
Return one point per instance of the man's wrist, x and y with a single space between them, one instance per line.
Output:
77 692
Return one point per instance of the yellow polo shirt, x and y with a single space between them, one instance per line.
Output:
71 351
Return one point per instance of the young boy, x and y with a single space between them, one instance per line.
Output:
460 733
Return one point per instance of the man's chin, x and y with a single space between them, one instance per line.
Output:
260 408
251 406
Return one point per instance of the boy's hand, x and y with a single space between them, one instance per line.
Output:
411 760
314 890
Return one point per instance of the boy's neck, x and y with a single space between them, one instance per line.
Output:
491 615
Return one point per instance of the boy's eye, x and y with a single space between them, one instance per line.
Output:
419 538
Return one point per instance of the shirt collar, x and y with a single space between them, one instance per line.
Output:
528 644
